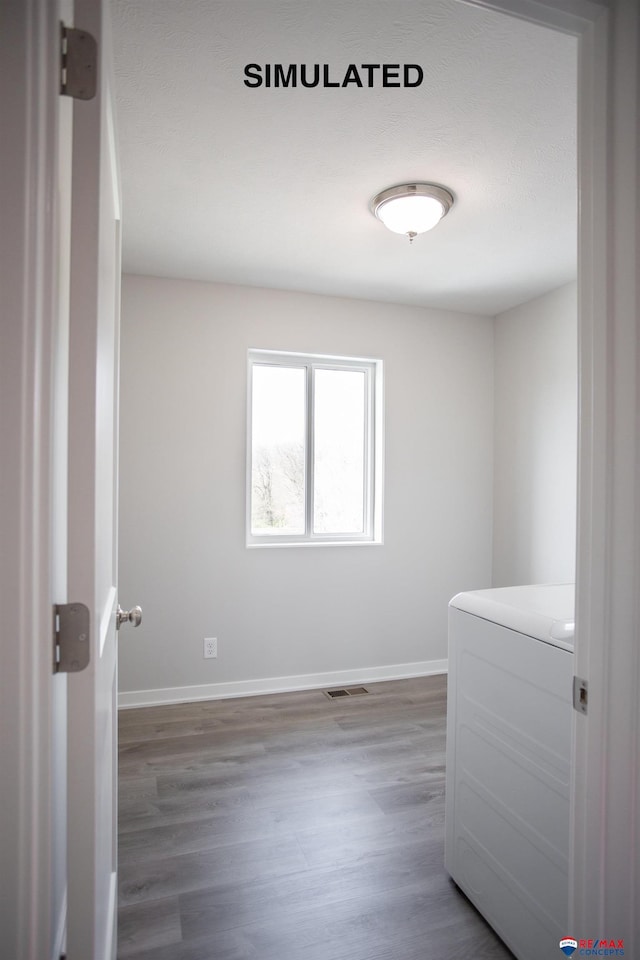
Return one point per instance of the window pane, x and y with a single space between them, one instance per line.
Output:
339 451
277 450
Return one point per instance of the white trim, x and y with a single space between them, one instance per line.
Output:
110 945
315 543
593 406
252 688
567 16
605 871
60 938
108 611
28 42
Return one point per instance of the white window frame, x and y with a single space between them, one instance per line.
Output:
373 441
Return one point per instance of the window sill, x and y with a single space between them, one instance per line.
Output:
316 543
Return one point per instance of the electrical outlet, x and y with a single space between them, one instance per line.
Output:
210 647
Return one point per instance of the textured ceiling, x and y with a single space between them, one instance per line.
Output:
270 187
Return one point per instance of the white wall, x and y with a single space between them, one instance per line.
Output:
292 611
535 456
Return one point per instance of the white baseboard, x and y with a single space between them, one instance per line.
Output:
252 688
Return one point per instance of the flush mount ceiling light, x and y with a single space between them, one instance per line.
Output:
411 208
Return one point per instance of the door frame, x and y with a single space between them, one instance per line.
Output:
604 858
605 817
28 266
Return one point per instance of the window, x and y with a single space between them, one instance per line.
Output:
314 449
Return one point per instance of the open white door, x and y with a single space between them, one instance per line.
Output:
93 499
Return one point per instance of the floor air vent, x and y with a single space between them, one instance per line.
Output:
345 692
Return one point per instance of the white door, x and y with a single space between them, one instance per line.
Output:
92 506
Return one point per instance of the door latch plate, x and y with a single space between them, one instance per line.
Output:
580 695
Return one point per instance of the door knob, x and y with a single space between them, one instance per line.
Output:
133 616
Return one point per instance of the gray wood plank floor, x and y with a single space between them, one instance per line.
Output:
291 827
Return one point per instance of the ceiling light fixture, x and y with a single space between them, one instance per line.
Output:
411 208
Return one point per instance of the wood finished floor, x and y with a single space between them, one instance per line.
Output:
291 827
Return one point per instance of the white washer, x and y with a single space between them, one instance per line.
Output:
509 719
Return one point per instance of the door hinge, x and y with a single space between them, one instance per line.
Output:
71 646
580 695
78 63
